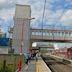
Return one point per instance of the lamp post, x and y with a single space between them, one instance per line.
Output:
22 35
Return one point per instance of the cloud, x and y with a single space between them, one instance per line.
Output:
2 1
6 17
53 12
7 13
7 4
7 8
22 1
67 18
5 24
69 1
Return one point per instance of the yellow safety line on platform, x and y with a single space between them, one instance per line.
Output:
41 67
38 67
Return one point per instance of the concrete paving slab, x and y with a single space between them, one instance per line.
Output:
31 67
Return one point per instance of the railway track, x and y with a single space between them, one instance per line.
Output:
55 65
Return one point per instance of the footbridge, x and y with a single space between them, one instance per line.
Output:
51 35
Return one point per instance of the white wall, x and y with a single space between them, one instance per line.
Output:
3 50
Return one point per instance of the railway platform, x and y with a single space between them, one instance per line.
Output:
41 66
36 66
31 67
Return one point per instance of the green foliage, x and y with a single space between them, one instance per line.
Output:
12 61
5 70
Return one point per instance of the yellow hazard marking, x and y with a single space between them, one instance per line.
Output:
41 67
38 67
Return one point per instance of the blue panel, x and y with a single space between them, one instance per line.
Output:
4 41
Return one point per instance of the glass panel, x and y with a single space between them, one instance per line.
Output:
40 33
44 33
47 34
33 33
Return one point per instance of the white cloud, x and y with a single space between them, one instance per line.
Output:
53 17
50 16
37 12
2 1
6 16
7 4
70 1
7 9
67 18
22 1
6 13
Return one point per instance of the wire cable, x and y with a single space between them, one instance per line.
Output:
43 16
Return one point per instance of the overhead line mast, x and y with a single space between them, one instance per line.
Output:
43 16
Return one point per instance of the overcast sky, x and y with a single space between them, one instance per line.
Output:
58 13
